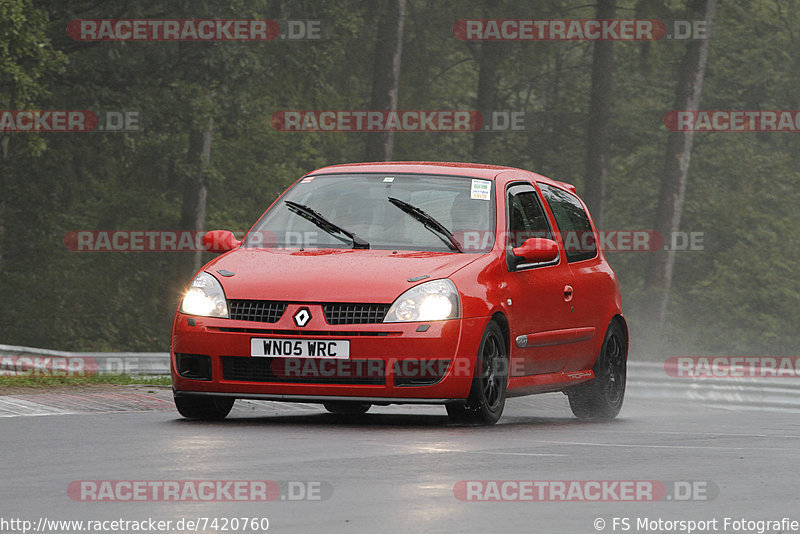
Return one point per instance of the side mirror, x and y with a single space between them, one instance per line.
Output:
537 250
219 241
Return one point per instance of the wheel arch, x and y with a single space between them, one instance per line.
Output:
618 318
502 321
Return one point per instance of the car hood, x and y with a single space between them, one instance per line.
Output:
330 275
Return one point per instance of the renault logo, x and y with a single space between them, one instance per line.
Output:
302 317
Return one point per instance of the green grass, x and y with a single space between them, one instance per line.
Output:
49 381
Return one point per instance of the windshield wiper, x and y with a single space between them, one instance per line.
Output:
429 222
324 224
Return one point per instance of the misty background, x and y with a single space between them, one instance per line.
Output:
204 154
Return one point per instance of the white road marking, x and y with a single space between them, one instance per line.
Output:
695 434
38 404
516 453
14 407
641 446
483 451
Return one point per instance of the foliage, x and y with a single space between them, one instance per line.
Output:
739 295
78 381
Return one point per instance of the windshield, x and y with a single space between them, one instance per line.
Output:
360 205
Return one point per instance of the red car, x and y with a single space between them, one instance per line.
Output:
406 282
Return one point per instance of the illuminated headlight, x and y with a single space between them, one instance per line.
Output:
205 298
432 301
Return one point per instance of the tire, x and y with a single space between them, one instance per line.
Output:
601 399
487 397
204 408
347 407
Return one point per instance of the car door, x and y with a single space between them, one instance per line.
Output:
591 282
540 310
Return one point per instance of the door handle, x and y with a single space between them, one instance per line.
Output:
568 293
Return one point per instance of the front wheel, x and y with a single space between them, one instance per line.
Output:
204 408
601 398
487 398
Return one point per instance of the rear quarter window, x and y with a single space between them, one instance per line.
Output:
580 243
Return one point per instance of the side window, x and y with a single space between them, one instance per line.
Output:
579 241
526 218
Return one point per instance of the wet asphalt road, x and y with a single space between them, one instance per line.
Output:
395 470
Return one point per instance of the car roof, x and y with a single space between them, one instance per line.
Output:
474 170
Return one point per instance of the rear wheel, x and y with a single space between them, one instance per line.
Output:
601 398
347 407
487 398
204 408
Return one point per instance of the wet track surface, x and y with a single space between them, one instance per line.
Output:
395 469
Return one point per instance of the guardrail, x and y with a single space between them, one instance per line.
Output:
645 379
43 362
650 379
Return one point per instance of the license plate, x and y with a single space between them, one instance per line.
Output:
300 348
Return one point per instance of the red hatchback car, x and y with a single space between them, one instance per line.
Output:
406 282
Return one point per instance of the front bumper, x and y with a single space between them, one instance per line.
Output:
389 362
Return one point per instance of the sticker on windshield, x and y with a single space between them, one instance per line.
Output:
306 179
481 190
388 179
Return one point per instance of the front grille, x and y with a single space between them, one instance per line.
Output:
304 371
262 311
268 311
355 313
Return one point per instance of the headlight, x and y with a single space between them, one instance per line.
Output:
431 301
205 297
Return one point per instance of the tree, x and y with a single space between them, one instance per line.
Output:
386 76
490 55
26 58
658 278
195 192
599 116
